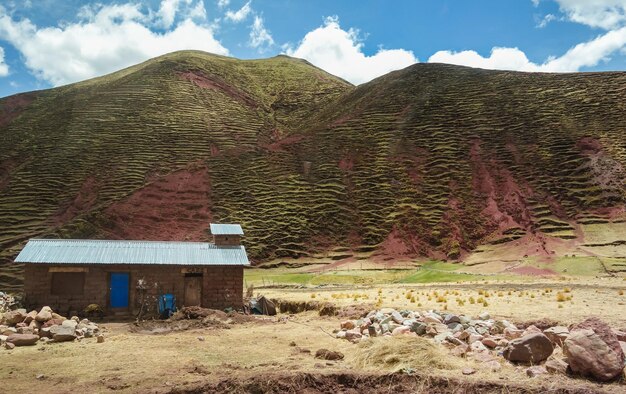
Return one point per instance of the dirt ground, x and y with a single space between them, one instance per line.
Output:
276 354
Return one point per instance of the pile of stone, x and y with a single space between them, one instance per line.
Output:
590 349
19 328
7 301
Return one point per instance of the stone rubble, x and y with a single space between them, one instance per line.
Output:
19 328
590 349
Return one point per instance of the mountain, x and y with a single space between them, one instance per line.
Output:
433 161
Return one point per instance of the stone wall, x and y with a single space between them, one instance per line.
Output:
222 286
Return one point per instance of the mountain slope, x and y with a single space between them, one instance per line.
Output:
432 161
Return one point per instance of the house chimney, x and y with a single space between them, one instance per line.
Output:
226 234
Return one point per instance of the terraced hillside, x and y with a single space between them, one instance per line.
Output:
429 161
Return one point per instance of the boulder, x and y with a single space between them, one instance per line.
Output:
13 317
9 346
52 322
556 366
397 317
3 338
69 323
450 318
532 348
588 354
603 331
353 336
22 339
512 333
460 350
436 329
484 316
478 347
489 342
44 314
63 333
532 329
401 330
419 328
30 316
44 332
431 318
8 331
58 317
557 334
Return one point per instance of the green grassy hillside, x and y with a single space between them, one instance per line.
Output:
432 160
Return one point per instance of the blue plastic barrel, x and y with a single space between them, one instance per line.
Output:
167 305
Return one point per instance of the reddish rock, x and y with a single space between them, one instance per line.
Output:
13 317
535 371
603 331
532 348
9 346
557 334
588 354
489 342
52 322
23 339
347 325
556 366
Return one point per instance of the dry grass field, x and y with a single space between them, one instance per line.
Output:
261 354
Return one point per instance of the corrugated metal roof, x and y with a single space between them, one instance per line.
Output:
80 251
226 229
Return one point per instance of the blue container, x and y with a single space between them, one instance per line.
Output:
167 305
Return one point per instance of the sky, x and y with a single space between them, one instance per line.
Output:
48 43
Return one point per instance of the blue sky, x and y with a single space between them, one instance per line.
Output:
46 43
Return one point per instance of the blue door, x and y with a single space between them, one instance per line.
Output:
119 289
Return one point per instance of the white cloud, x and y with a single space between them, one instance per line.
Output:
605 14
586 54
546 19
240 15
341 53
107 39
223 3
167 12
4 68
260 37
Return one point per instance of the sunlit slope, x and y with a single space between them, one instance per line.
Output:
430 161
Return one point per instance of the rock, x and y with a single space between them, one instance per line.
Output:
532 348
44 314
531 330
431 318
557 334
387 311
397 317
3 338
455 341
58 317
589 355
100 338
462 335
63 333
8 331
326 354
489 342
30 316
340 335
455 327
468 371
401 330
512 333
44 332
25 330
474 338
484 316
419 328
556 366
353 336
201 339
23 339
13 317
69 323
347 325
40 376
371 331
536 370
603 331
460 350
478 347
623 346
9 346
450 318
52 322
436 329
76 319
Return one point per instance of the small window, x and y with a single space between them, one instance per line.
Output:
68 283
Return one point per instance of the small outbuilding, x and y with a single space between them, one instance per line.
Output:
124 276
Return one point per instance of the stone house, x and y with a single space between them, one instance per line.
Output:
121 276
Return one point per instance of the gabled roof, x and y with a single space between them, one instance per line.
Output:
80 251
226 229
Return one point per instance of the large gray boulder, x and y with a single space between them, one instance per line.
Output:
22 339
532 348
63 333
588 354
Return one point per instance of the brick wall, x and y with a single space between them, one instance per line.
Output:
222 286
